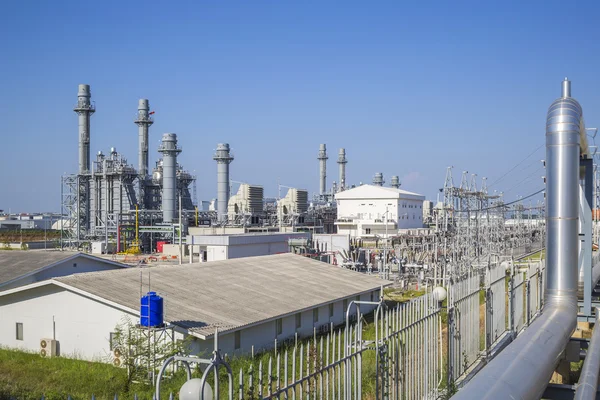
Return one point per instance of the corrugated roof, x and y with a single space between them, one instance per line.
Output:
17 263
232 293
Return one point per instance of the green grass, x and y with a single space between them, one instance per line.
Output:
535 256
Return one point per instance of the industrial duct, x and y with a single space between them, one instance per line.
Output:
395 182
84 110
524 368
169 151
378 179
322 157
223 159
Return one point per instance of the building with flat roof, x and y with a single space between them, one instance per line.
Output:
251 301
224 247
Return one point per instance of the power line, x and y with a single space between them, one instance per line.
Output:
503 204
515 167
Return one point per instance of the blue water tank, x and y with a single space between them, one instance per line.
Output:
151 310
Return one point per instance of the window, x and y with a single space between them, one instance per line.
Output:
368 231
237 340
298 320
278 326
112 340
19 331
345 306
372 293
315 315
74 265
331 310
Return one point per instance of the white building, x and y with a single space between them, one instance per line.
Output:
365 210
19 268
252 302
225 247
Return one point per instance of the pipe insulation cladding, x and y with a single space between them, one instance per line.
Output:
342 161
84 110
523 369
223 158
322 157
169 151
143 122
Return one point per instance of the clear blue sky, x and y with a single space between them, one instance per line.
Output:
407 88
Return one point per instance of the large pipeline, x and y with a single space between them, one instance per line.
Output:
588 380
524 368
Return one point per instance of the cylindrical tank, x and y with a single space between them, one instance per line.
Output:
223 158
151 310
169 151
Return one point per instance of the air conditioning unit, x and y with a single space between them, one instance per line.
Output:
48 348
117 357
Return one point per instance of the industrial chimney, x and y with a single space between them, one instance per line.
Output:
143 122
169 151
223 158
378 179
395 182
84 110
322 169
342 164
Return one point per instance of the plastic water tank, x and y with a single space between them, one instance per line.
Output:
151 310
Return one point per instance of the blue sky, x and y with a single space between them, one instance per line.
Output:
407 88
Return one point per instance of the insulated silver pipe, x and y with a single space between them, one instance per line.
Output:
588 380
84 110
524 368
223 159
169 150
342 164
322 157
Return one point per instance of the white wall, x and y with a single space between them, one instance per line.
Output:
77 265
81 325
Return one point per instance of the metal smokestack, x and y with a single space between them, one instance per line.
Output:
342 164
322 169
84 110
522 370
223 158
378 179
395 182
169 151
143 122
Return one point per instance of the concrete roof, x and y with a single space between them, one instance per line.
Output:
377 192
15 264
229 294
245 238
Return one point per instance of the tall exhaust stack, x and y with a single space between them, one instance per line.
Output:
342 165
378 179
169 151
223 158
395 182
322 169
143 122
84 110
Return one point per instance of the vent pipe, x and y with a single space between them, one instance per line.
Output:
342 165
322 169
378 179
84 110
223 159
524 368
143 121
395 182
169 151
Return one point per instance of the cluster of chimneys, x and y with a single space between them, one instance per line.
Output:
342 161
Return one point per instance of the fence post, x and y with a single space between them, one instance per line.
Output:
511 322
450 346
489 317
528 298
